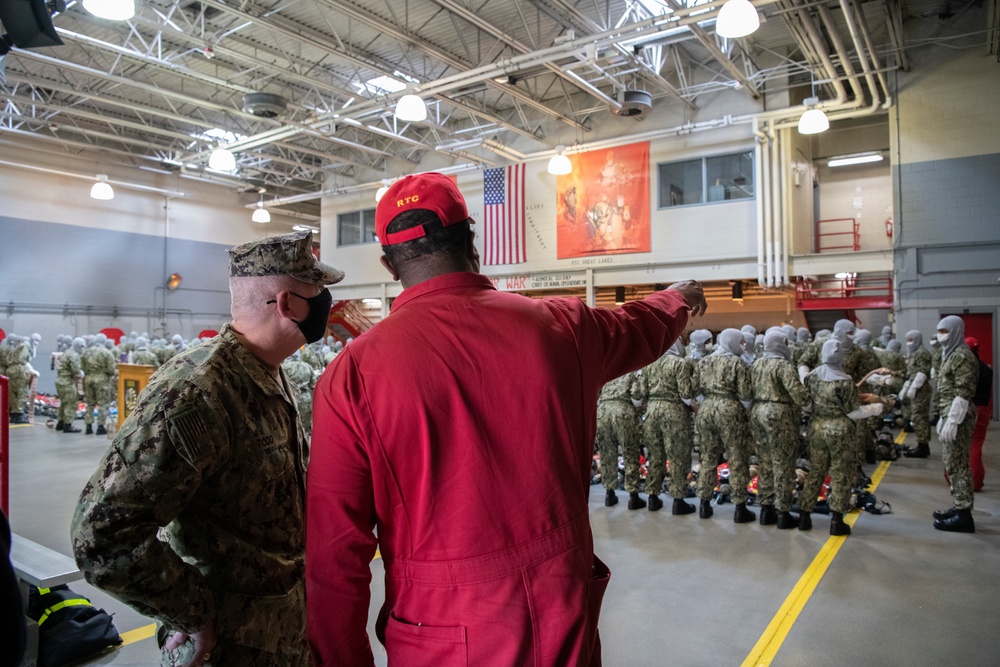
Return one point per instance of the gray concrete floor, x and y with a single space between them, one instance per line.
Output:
685 591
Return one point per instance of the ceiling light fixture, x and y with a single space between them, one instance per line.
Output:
261 214
560 165
411 109
856 158
222 159
737 18
382 190
814 120
102 189
112 10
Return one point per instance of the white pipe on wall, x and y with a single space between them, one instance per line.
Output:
776 212
758 165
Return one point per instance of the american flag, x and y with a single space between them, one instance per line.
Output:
503 199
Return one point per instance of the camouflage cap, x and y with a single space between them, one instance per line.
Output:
285 255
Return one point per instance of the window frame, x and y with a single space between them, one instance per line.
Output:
366 225
704 180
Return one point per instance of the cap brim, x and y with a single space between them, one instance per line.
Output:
326 274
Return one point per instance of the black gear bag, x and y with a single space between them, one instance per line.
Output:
69 626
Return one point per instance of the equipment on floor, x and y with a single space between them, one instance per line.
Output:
69 626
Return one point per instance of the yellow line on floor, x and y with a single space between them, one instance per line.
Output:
21 425
132 636
774 635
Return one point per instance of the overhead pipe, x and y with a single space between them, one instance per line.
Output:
122 184
872 53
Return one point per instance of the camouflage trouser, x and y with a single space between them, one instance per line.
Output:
66 389
227 653
831 449
616 430
775 427
18 374
955 457
920 414
722 427
667 435
96 393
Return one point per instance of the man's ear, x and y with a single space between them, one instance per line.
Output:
472 251
389 267
283 302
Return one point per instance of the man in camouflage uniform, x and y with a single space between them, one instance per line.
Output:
836 405
67 376
18 358
916 393
142 355
882 342
957 380
616 429
668 385
778 397
303 381
98 368
722 423
935 369
213 459
697 347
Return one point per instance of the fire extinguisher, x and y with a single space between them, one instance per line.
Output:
888 227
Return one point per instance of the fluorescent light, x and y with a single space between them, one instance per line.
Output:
560 165
842 276
859 158
222 159
411 109
737 18
102 189
112 10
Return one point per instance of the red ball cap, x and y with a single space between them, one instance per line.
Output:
431 191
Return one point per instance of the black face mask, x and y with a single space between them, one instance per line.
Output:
314 325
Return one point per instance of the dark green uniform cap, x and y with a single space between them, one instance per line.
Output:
285 255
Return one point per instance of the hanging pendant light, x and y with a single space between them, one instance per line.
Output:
102 189
222 159
737 18
382 190
261 214
559 164
112 10
814 120
411 109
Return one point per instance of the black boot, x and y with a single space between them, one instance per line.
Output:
837 525
768 515
959 522
101 430
742 514
908 427
610 500
635 502
805 521
60 426
68 428
786 521
18 418
90 430
941 515
706 511
921 451
655 503
680 507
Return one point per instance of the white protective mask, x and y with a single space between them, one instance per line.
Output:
943 337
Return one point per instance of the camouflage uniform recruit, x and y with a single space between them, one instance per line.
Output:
616 430
917 389
724 381
213 459
18 358
668 384
956 382
99 367
68 372
303 380
778 397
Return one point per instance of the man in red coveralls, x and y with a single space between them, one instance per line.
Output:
462 428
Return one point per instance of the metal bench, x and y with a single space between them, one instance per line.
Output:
37 565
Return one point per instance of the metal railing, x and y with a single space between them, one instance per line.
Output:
854 232
851 292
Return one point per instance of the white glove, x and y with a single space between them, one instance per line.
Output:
866 411
911 391
877 380
686 401
956 415
803 372
700 398
933 373
904 392
918 380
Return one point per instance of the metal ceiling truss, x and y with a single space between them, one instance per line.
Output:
148 89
